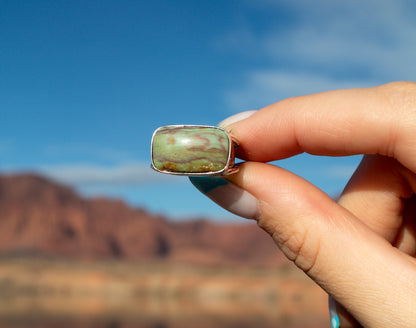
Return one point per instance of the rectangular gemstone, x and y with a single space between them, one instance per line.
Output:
190 149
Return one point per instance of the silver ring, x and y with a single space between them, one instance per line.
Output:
193 150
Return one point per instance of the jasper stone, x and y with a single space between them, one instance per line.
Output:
190 149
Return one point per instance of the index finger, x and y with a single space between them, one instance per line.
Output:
378 120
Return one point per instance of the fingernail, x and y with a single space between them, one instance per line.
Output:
228 196
333 313
235 118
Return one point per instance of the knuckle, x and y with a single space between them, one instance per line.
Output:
401 104
401 96
301 247
306 251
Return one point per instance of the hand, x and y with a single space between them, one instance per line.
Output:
362 249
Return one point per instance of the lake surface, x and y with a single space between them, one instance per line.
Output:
48 313
37 293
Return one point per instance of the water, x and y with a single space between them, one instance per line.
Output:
150 313
46 293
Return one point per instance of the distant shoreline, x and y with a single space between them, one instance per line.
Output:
83 289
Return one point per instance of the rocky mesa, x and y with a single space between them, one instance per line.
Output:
42 217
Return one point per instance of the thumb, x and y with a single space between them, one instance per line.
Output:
348 260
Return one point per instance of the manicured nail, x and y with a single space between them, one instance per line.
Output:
235 118
333 313
228 196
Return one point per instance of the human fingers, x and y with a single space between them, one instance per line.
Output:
377 120
380 194
336 249
335 145
406 240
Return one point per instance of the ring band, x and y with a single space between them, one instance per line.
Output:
193 150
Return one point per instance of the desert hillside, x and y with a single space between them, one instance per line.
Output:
38 216
68 261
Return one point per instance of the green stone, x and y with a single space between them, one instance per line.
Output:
190 149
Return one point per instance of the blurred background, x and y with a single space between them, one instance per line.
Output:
90 236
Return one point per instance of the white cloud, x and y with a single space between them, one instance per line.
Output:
267 86
87 175
314 46
380 42
87 150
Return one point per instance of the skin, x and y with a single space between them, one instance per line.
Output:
361 249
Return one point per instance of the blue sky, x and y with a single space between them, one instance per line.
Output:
83 84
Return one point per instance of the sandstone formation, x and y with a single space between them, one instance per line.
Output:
41 217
